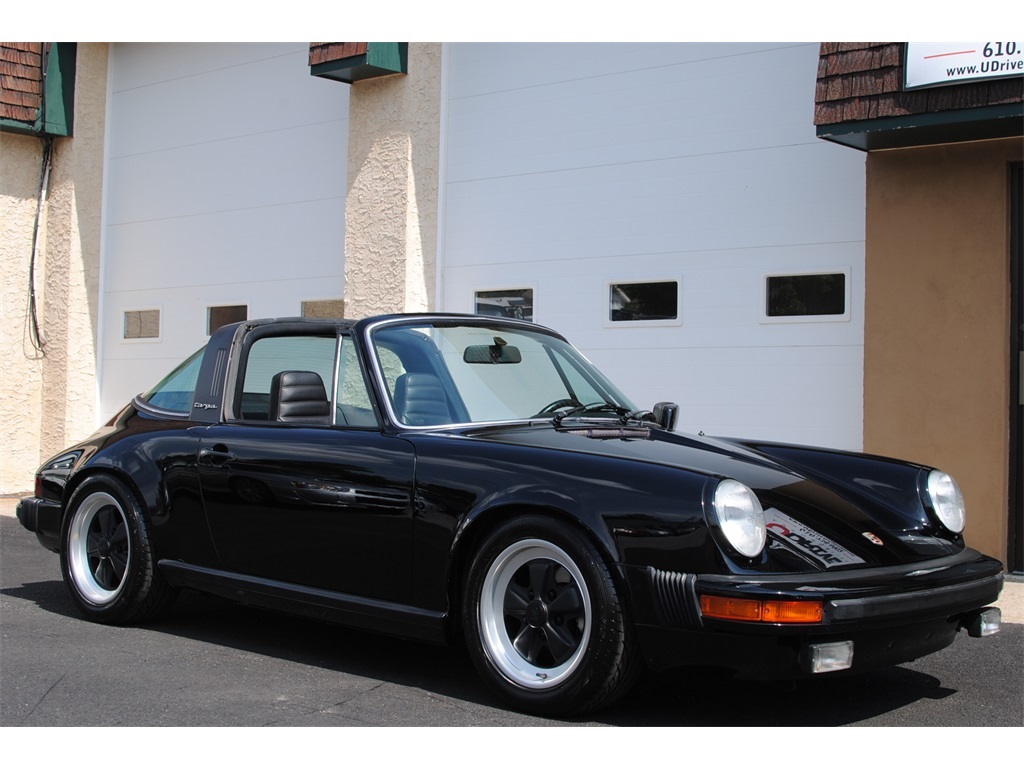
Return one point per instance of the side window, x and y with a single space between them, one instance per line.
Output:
354 407
174 392
272 355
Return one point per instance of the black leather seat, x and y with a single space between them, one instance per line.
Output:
299 397
421 401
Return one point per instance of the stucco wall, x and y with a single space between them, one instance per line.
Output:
22 368
394 145
49 399
936 361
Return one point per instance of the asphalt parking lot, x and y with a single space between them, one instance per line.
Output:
213 663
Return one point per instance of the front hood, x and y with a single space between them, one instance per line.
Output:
834 509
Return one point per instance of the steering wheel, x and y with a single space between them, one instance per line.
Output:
550 408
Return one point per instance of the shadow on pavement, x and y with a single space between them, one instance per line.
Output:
679 698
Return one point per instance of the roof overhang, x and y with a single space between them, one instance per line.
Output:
991 122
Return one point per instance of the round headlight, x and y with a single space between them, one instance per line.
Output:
947 501
740 517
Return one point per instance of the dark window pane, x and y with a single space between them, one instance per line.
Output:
516 303
218 316
804 295
630 302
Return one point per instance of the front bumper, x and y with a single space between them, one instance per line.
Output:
892 614
42 517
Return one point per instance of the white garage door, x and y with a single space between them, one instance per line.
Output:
225 186
577 175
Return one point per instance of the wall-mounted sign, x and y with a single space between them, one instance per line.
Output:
930 64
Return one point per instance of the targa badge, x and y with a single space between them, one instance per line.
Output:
872 538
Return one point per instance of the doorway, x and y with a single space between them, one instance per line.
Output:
1015 550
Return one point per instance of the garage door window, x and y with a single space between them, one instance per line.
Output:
225 315
807 297
516 303
652 302
142 324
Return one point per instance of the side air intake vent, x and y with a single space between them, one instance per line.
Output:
674 598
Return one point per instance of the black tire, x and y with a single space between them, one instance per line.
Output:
544 621
107 557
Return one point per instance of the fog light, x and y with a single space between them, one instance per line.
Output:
830 657
985 623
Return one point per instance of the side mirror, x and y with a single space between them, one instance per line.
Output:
666 414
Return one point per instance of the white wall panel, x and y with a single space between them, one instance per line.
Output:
572 166
174 95
226 174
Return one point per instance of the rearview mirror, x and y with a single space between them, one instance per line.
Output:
498 353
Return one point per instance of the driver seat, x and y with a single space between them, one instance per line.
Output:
299 397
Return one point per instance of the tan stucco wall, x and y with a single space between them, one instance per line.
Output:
392 203
49 400
937 314
21 370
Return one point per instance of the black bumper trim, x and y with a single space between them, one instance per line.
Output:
42 517
907 593
953 598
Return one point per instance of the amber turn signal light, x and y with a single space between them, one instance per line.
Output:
769 611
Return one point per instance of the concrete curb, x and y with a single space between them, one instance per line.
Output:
1011 601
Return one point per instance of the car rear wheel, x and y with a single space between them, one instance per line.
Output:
107 557
544 621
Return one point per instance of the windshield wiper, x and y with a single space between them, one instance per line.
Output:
602 407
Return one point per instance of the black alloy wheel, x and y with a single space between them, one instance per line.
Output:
544 621
106 556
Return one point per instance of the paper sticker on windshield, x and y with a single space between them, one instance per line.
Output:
807 540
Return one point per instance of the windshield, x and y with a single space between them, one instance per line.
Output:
452 373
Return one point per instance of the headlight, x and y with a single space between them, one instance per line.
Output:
947 501
739 518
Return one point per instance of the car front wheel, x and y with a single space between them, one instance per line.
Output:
107 557
544 620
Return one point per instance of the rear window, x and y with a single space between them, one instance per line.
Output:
174 392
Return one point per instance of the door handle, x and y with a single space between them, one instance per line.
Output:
217 455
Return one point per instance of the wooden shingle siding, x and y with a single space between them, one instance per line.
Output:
321 53
21 80
864 81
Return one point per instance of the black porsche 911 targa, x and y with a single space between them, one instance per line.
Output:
473 479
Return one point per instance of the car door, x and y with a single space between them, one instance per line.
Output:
320 501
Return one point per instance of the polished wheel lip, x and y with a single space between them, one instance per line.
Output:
82 570
498 644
